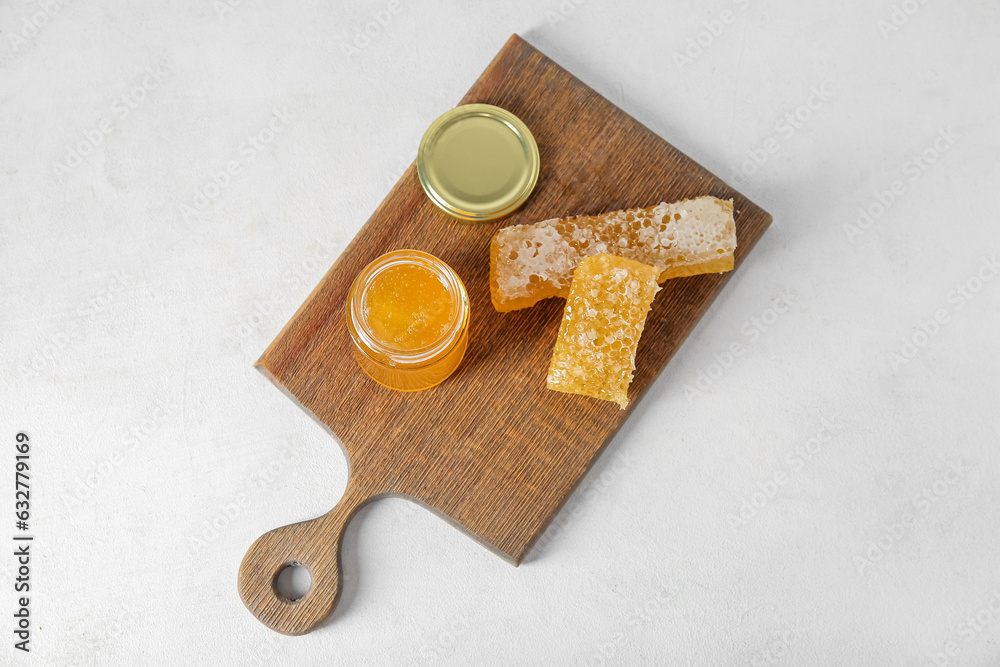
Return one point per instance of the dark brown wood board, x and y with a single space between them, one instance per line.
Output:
491 448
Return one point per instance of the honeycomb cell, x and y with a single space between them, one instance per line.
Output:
601 325
529 263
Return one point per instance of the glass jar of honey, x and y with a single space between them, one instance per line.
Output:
408 317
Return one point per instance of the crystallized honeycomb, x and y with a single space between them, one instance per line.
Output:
529 263
604 316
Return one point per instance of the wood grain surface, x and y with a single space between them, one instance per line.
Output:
491 448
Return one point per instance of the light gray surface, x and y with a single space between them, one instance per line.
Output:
130 323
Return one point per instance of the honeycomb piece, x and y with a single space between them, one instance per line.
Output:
529 263
603 319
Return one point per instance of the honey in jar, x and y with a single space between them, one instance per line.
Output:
408 317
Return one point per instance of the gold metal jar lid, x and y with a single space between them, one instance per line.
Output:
478 162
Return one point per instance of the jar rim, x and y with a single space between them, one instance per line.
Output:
380 352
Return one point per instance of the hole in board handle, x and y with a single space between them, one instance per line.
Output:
293 581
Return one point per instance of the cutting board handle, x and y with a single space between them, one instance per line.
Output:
314 545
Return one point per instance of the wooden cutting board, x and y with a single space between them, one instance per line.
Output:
491 448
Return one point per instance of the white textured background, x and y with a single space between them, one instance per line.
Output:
132 311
